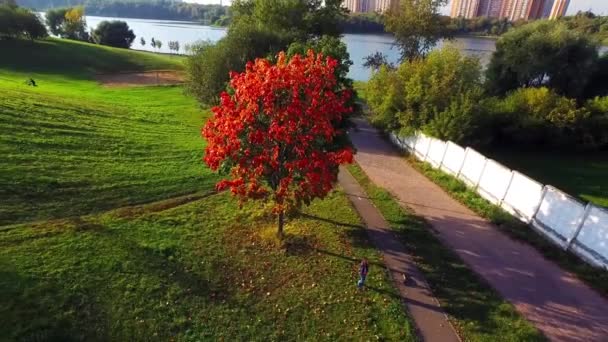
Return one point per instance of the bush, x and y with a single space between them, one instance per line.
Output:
113 33
537 116
18 22
437 94
594 130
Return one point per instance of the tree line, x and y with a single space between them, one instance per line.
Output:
154 9
545 85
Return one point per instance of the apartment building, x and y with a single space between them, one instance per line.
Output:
510 9
364 6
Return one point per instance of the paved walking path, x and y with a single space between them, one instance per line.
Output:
431 322
555 301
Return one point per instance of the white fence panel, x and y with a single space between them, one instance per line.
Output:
422 146
592 241
559 216
472 167
523 197
436 152
454 157
494 181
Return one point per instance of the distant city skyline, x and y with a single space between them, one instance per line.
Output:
597 6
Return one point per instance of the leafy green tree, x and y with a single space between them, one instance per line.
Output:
417 26
542 53
153 42
54 20
597 85
376 60
328 46
16 22
174 46
68 23
142 41
259 28
438 95
114 33
159 44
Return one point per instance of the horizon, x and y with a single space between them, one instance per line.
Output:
596 6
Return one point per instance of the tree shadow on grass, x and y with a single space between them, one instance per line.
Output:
26 315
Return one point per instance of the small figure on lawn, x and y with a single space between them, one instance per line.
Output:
31 82
363 268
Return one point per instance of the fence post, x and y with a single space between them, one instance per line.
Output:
481 174
414 144
542 197
508 187
445 151
580 226
466 151
428 149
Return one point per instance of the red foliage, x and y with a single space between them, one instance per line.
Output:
276 134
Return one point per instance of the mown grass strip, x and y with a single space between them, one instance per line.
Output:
594 277
475 309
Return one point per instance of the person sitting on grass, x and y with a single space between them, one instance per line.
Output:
363 268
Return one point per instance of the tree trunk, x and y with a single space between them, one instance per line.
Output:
281 223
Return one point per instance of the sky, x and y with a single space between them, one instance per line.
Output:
597 6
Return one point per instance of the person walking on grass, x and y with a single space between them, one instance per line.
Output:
363 268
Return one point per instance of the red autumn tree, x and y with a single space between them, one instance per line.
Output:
277 133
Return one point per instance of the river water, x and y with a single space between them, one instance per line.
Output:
359 45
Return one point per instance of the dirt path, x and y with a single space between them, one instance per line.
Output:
146 78
431 322
555 301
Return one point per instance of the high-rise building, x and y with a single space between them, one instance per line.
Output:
464 8
510 9
489 8
559 9
364 6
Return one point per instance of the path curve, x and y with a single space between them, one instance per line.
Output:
431 322
555 301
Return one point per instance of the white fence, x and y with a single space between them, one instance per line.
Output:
567 222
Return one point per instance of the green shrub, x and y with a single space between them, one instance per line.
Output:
594 130
538 116
437 94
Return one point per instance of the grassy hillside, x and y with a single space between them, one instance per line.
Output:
78 59
71 146
76 155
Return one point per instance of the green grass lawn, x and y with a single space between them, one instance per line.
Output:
584 175
201 270
192 266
